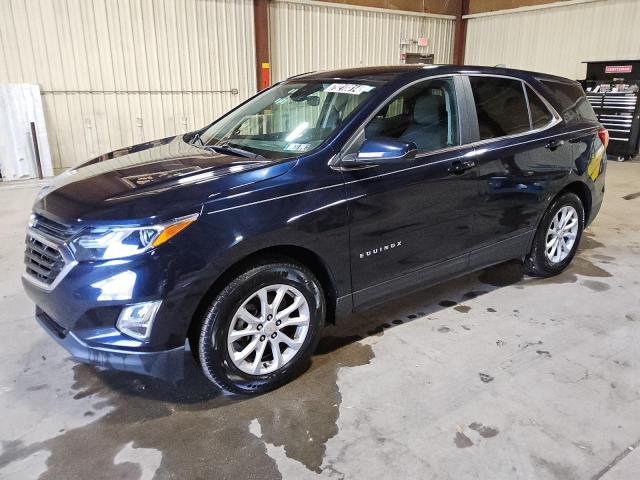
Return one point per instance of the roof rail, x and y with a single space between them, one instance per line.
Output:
300 74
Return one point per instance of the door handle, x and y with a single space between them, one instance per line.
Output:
553 144
458 166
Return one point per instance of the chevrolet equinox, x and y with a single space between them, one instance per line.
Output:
325 193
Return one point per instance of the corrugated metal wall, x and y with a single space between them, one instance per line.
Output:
307 36
556 40
118 72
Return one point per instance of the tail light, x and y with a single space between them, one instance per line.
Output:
603 134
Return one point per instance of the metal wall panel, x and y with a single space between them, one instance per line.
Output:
118 72
308 36
556 40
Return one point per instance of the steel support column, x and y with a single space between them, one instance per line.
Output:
261 24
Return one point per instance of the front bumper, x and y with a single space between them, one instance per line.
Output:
167 365
80 312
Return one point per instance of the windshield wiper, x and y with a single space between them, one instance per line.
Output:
226 148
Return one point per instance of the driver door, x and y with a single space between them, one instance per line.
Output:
411 220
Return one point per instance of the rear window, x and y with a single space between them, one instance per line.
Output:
540 114
572 103
501 106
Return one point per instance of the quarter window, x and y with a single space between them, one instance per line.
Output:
425 114
501 106
572 102
540 114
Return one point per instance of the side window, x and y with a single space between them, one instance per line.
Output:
540 114
501 106
395 108
425 114
572 101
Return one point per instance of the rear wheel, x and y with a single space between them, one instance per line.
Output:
261 330
557 238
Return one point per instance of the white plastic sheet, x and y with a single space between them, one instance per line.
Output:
21 104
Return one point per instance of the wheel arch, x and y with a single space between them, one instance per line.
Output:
583 193
297 254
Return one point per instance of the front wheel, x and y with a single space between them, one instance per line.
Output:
261 330
557 238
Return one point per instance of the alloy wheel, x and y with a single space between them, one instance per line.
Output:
268 329
561 234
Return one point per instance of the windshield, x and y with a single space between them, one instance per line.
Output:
286 121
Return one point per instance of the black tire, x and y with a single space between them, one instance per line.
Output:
214 356
537 263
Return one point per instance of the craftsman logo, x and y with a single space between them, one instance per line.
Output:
382 248
618 69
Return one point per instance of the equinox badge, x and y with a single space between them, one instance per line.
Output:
381 249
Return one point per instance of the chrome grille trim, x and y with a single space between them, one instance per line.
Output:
51 228
47 260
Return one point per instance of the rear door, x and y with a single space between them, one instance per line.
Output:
418 213
522 154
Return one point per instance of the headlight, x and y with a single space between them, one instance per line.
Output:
119 242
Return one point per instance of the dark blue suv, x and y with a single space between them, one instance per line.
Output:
326 193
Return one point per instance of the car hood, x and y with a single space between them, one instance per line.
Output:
160 179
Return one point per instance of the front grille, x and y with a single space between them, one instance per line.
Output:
45 243
53 229
43 262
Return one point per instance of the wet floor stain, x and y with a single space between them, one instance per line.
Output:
462 441
502 275
604 258
379 330
196 428
484 430
473 294
462 308
36 388
511 273
632 196
447 303
589 242
485 377
376 332
525 345
596 286
582 266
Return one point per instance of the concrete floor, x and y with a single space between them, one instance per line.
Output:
491 376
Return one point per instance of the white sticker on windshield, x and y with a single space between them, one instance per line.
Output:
350 88
297 147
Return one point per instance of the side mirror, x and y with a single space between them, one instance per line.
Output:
385 150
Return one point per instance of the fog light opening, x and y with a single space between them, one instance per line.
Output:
137 320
